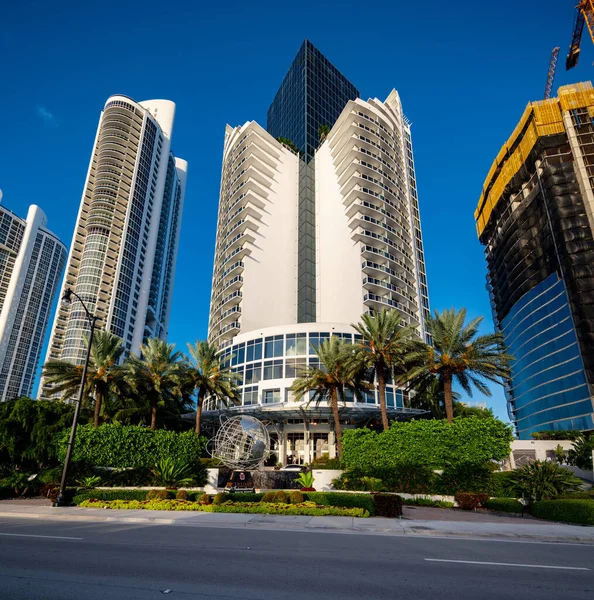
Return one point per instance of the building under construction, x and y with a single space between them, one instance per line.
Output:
535 218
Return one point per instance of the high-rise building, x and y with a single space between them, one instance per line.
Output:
367 252
311 96
124 248
31 264
535 219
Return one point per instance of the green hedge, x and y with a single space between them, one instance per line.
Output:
238 507
567 511
337 499
83 495
505 505
434 443
122 446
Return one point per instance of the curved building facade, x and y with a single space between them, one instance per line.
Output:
535 219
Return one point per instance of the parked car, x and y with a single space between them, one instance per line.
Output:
294 468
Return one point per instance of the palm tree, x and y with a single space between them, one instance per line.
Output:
386 350
337 371
459 353
209 377
157 376
103 375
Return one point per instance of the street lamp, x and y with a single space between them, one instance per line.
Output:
66 301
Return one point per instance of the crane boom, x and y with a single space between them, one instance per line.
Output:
584 14
552 71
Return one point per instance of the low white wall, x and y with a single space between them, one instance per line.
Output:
323 479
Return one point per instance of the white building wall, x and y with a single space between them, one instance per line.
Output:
339 293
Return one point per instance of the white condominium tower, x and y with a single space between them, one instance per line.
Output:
31 264
123 253
318 223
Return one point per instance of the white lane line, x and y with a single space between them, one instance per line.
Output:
49 537
498 564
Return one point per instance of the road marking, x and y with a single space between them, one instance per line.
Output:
49 537
498 564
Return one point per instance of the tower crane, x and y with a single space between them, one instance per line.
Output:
584 14
552 71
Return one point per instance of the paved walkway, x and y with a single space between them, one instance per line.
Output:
416 521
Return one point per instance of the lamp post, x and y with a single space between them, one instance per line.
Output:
61 499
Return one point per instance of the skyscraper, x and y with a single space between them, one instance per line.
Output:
367 249
123 253
31 264
312 95
535 219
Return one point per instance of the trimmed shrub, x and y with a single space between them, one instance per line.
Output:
181 495
469 501
326 463
245 497
431 442
509 505
81 496
577 496
204 499
281 497
219 499
427 502
387 505
337 499
267 497
567 511
464 476
122 446
296 497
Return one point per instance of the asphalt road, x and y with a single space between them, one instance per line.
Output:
111 561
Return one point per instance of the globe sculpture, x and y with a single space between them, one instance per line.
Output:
242 442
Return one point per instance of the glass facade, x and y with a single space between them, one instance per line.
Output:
266 367
313 93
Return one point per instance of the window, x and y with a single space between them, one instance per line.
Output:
273 369
254 350
238 354
315 339
253 373
273 346
250 395
271 397
295 367
296 344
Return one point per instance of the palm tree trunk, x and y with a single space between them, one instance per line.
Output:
153 414
381 384
447 396
337 425
98 400
199 411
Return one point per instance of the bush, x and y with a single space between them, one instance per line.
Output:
577 496
373 484
409 478
204 499
542 481
172 472
500 484
387 505
427 502
122 446
280 497
182 495
219 499
81 496
296 497
364 501
581 454
557 435
470 501
326 463
433 443
464 476
567 511
267 497
504 505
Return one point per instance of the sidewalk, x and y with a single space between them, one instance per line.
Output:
416 521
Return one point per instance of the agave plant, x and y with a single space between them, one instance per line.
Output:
172 472
541 480
305 480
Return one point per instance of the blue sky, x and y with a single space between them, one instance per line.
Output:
465 72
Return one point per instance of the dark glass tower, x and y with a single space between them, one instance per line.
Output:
313 93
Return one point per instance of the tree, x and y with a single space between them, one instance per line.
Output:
157 375
103 375
209 377
459 353
385 350
323 131
337 372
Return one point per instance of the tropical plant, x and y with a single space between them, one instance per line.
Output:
172 472
288 143
305 480
103 374
337 372
209 377
323 131
385 350
373 484
158 376
581 454
542 480
459 353
90 482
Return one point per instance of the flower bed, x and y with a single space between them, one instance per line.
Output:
267 508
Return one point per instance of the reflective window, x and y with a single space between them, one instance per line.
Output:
253 373
271 397
296 344
273 369
254 350
273 346
250 395
294 367
238 354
